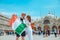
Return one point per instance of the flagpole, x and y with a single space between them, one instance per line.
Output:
54 12
40 15
29 11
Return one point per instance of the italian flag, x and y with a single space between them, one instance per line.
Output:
17 25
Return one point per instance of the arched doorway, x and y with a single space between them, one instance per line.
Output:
46 22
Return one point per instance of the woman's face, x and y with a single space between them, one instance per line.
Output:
27 18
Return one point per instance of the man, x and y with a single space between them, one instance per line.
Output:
22 18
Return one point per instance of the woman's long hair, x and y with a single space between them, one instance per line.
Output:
29 18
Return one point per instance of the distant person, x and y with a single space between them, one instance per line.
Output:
39 30
46 31
34 30
59 29
0 31
54 29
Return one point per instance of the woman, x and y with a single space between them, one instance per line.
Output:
28 28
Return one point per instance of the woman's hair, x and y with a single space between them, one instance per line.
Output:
29 18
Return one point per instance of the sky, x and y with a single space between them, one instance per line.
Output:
35 8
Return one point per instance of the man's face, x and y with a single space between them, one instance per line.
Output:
23 15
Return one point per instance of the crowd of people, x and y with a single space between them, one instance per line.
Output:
47 30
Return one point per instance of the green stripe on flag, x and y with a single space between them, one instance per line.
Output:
20 28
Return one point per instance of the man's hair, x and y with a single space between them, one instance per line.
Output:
23 14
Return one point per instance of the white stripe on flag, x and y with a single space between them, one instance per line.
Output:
16 24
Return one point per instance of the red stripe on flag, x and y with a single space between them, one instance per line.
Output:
12 20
